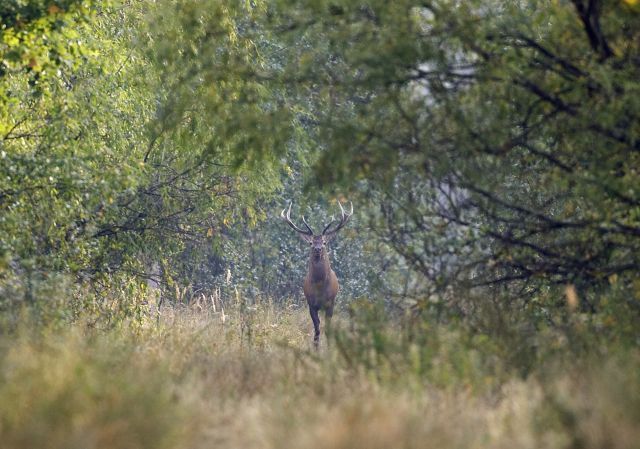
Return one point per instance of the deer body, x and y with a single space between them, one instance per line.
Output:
321 283
320 289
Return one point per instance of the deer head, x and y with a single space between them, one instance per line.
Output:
318 242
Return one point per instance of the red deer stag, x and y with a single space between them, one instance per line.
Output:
321 284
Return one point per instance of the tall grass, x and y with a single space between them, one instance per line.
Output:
186 379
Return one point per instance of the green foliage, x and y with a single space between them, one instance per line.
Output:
480 342
40 43
107 178
510 127
61 151
211 65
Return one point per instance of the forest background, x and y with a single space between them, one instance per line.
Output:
489 276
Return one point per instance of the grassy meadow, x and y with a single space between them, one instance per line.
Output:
191 378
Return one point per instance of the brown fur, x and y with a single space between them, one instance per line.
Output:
320 289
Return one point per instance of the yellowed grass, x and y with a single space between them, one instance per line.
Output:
187 380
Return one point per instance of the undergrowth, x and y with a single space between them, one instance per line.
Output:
250 378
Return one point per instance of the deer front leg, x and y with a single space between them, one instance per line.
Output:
316 325
328 314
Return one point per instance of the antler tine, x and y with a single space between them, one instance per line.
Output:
329 225
344 217
282 214
307 225
343 211
287 218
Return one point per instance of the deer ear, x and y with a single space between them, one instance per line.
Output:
306 238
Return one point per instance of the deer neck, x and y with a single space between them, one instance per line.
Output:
319 268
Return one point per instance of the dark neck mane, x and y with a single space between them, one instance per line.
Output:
319 269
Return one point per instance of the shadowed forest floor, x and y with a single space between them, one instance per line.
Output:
186 380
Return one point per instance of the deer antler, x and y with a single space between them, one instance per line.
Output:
344 217
287 218
329 225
